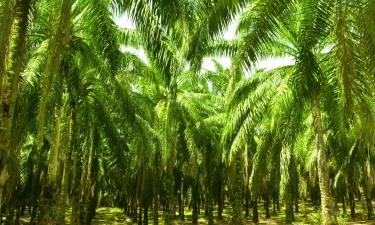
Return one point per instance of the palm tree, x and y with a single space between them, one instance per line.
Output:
14 16
161 132
260 27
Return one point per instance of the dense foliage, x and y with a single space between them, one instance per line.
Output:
86 122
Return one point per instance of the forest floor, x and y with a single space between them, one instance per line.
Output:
307 215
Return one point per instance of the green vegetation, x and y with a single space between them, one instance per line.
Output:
92 133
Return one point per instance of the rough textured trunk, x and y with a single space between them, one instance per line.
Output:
156 188
91 176
343 205
68 163
247 202
255 210
9 82
267 207
366 190
296 194
145 216
7 10
328 213
134 213
90 206
351 202
50 206
366 196
220 203
156 202
181 210
195 201
289 213
209 176
168 214
370 209
274 205
76 217
236 191
209 207
59 39
140 215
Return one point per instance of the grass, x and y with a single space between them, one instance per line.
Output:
307 215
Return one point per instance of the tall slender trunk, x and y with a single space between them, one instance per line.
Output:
267 206
328 212
68 162
274 205
156 185
1 198
7 11
181 211
343 205
247 202
220 204
366 190
209 204
366 195
50 210
351 201
236 191
145 215
9 82
140 192
59 39
76 217
140 214
220 194
168 214
91 175
255 210
289 213
195 201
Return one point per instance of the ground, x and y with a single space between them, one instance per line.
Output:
307 215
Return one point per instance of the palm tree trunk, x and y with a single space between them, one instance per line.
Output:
220 195
237 190
68 163
195 201
209 204
91 175
168 215
328 213
289 213
351 201
50 205
367 199
156 189
140 214
76 189
59 39
7 11
267 206
181 211
145 215
247 202
343 205
55 148
9 85
255 210
366 190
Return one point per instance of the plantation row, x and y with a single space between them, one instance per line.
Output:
95 112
